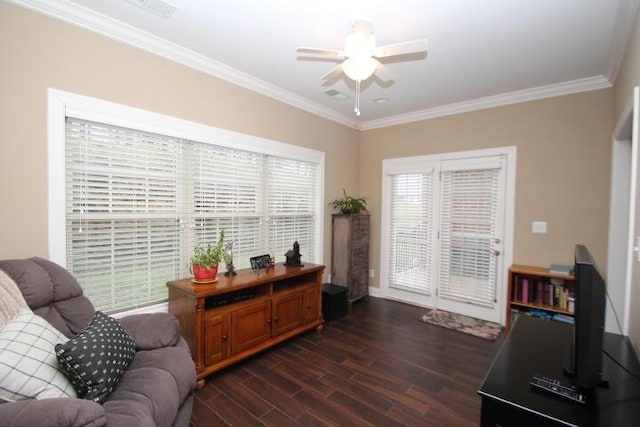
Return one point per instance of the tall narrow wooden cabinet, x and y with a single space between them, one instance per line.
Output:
350 254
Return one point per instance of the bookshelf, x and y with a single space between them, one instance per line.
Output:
539 292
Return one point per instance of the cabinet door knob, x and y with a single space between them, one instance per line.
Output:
268 320
275 319
224 337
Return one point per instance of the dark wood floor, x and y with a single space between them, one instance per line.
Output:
379 365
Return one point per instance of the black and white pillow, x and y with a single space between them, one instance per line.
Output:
95 359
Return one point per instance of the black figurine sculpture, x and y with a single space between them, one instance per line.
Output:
293 256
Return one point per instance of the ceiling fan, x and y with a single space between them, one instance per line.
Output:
361 56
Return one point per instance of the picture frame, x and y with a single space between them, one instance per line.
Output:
260 262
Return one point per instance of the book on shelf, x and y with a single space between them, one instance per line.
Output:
541 314
544 292
560 269
556 295
539 292
563 318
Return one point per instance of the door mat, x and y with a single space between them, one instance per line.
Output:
479 328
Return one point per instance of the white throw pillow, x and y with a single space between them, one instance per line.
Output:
11 300
28 363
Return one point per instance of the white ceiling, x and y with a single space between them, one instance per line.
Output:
481 53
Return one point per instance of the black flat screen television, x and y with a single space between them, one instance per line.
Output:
585 363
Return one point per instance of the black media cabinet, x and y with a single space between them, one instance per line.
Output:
536 347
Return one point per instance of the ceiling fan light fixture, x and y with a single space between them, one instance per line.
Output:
359 68
361 57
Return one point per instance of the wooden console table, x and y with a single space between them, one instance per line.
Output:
238 316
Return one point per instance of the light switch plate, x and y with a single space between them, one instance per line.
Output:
539 227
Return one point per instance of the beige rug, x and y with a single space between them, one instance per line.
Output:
468 325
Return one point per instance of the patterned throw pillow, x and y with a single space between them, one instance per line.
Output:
28 365
11 300
95 359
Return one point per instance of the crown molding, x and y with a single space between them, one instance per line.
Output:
623 28
88 19
525 95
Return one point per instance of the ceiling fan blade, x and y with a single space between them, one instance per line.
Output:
404 48
383 73
320 51
333 73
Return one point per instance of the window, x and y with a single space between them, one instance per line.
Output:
137 202
411 232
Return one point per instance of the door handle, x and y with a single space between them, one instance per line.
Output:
494 252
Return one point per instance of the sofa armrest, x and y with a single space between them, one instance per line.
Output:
59 412
152 330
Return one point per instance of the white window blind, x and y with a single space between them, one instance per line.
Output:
137 203
411 224
227 191
468 216
291 206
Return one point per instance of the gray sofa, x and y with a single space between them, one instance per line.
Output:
155 390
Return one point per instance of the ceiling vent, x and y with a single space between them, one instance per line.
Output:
336 94
163 8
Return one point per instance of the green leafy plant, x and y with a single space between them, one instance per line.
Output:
349 204
208 256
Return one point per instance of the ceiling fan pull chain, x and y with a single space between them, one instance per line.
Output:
357 109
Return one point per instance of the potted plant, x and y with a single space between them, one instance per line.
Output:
205 259
349 204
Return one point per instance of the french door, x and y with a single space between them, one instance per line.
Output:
444 232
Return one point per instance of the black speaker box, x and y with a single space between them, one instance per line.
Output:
334 301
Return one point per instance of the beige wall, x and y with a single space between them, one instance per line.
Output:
628 77
563 168
563 143
37 52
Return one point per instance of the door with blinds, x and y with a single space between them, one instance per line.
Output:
443 228
412 227
470 236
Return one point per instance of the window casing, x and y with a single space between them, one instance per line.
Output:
137 202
